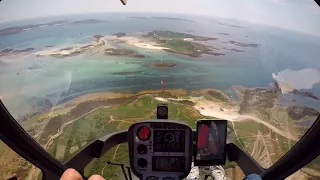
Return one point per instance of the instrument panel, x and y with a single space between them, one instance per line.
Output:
169 140
160 150
168 163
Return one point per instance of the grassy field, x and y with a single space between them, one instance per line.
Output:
186 48
98 117
11 163
106 120
267 144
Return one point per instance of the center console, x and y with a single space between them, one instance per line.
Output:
160 150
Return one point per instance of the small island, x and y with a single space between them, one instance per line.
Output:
119 34
162 65
136 17
122 52
297 112
233 49
230 25
127 73
286 88
173 19
10 52
19 29
244 44
86 21
305 94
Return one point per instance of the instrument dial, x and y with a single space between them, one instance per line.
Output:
142 149
169 137
143 133
142 162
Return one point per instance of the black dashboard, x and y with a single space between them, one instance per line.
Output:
169 140
160 150
168 163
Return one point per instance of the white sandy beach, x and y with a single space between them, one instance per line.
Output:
101 44
209 108
137 41
230 113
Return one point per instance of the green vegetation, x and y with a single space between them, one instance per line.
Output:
88 120
122 52
103 121
181 43
118 154
246 135
186 48
12 163
218 95
185 102
78 111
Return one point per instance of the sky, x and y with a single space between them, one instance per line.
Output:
298 15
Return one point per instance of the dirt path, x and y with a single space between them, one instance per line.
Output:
114 156
235 132
275 129
61 130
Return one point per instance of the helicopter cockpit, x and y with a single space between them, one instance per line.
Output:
163 149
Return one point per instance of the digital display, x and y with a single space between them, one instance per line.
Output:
211 141
169 163
169 140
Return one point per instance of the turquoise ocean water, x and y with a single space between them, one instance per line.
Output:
29 79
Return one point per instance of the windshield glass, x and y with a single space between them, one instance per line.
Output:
74 71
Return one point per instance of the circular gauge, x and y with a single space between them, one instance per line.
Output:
169 137
143 133
168 178
142 162
162 111
152 178
142 149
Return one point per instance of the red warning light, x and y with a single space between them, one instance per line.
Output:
143 133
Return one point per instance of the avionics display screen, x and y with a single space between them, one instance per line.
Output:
168 163
169 140
211 142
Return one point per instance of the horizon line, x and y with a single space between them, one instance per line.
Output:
169 13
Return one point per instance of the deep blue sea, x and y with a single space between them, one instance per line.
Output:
60 79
